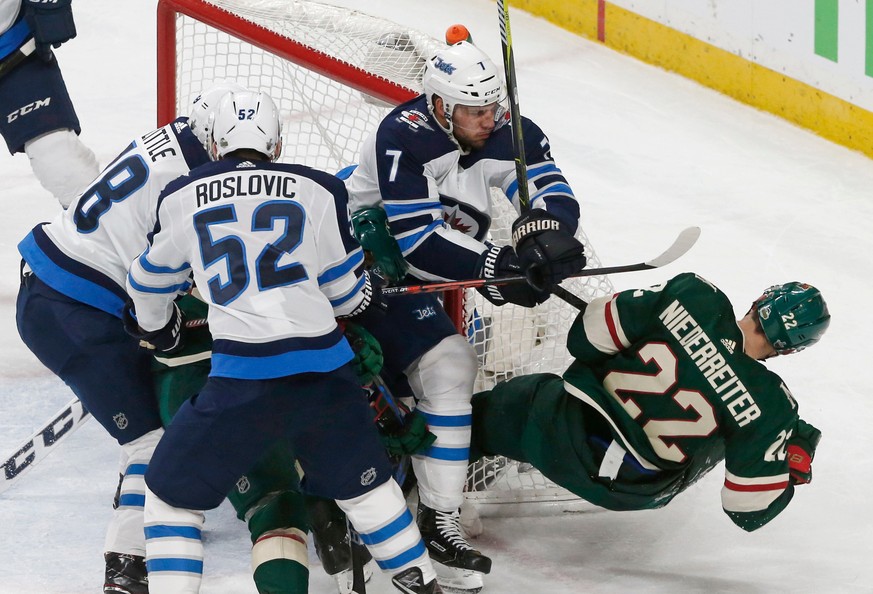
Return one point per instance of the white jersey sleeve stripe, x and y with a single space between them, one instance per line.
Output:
602 326
408 242
741 494
356 291
132 283
354 259
154 269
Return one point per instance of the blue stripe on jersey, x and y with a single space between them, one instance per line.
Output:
406 243
174 564
70 277
354 260
157 290
558 189
397 208
165 531
149 267
390 530
280 358
136 469
339 301
407 556
131 500
346 172
532 172
448 454
447 420
14 37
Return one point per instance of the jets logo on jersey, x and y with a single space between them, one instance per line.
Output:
453 219
414 119
423 314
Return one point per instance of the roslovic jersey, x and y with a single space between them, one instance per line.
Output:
266 252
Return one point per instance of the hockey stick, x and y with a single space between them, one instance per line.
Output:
55 430
518 136
43 442
684 242
17 57
514 111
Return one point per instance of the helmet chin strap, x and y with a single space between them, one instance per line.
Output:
449 129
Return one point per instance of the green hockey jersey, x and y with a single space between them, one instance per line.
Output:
666 367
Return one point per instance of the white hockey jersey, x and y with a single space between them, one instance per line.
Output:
265 248
85 252
438 199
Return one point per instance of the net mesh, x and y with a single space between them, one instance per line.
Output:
324 123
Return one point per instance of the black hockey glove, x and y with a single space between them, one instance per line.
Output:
51 22
547 251
502 261
373 306
165 340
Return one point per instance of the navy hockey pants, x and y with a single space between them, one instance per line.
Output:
411 326
220 434
89 349
34 101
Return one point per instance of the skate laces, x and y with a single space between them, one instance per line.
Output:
449 526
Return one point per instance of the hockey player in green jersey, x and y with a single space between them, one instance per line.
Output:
666 383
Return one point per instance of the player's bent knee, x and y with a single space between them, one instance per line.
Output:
62 164
447 371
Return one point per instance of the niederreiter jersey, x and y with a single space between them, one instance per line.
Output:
264 245
85 252
666 364
438 199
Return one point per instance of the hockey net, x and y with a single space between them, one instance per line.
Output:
334 73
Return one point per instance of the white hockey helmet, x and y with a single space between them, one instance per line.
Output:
204 104
462 74
246 120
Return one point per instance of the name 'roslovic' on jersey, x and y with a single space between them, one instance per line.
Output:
264 244
85 251
666 364
438 199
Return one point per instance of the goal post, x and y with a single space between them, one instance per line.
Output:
334 74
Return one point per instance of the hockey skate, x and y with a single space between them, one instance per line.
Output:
334 544
459 566
410 581
125 574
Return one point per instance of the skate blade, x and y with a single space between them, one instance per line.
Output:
457 580
345 579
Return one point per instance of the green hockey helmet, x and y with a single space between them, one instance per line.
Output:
793 316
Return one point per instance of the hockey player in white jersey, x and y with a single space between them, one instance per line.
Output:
70 304
431 165
265 249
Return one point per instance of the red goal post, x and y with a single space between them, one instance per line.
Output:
335 73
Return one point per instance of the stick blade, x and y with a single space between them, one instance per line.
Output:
684 242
